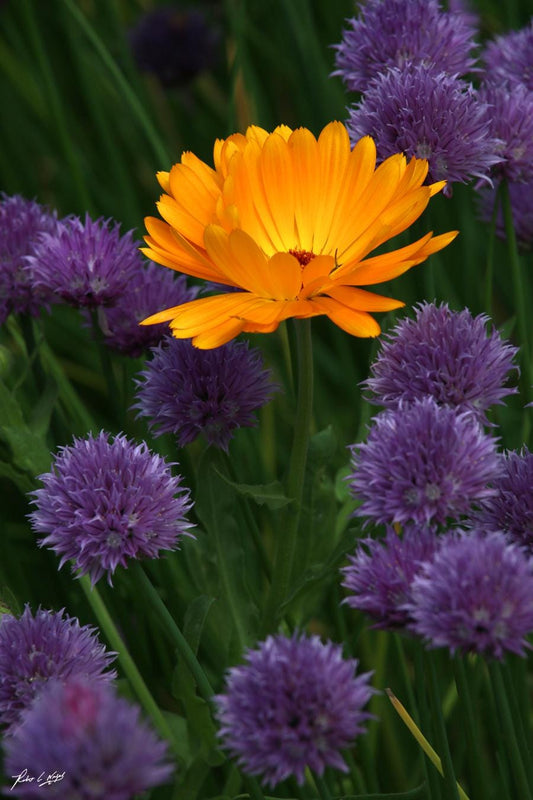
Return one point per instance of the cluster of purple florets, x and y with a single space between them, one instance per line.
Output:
61 714
88 264
456 563
409 60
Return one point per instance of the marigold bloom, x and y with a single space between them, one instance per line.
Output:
289 221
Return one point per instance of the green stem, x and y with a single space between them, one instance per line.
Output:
478 783
508 730
322 787
54 101
136 106
519 291
107 365
288 533
127 663
174 633
489 269
410 794
450 782
425 718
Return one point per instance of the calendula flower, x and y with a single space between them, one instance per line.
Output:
288 220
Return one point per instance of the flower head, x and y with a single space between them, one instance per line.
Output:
149 289
476 595
295 703
509 112
105 502
422 462
427 115
380 573
21 223
521 196
289 221
508 58
510 508
174 44
36 649
86 264
446 354
400 33
187 392
94 739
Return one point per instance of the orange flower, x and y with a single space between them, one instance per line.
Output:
288 221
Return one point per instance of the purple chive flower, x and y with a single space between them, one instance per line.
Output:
381 572
86 264
400 33
508 58
427 115
174 44
21 223
446 354
509 113
150 289
35 649
295 703
475 596
521 196
105 502
422 462
187 391
88 742
510 509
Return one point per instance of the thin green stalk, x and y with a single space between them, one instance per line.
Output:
287 534
173 632
322 787
450 782
127 663
56 108
519 292
107 367
32 347
489 268
425 718
251 523
509 731
478 782
410 794
136 106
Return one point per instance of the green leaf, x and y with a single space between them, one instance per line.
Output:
195 618
22 481
270 495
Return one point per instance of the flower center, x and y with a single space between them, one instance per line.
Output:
303 256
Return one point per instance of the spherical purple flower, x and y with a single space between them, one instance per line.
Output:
508 58
105 502
174 44
398 33
187 391
150 289
509 112
476 595
295 703
21 223
80 740
510 509
521 196
427 115
422 462
35 649
86 264
381 572
446 354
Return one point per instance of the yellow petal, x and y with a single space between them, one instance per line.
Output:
361 300
357 323
334 151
